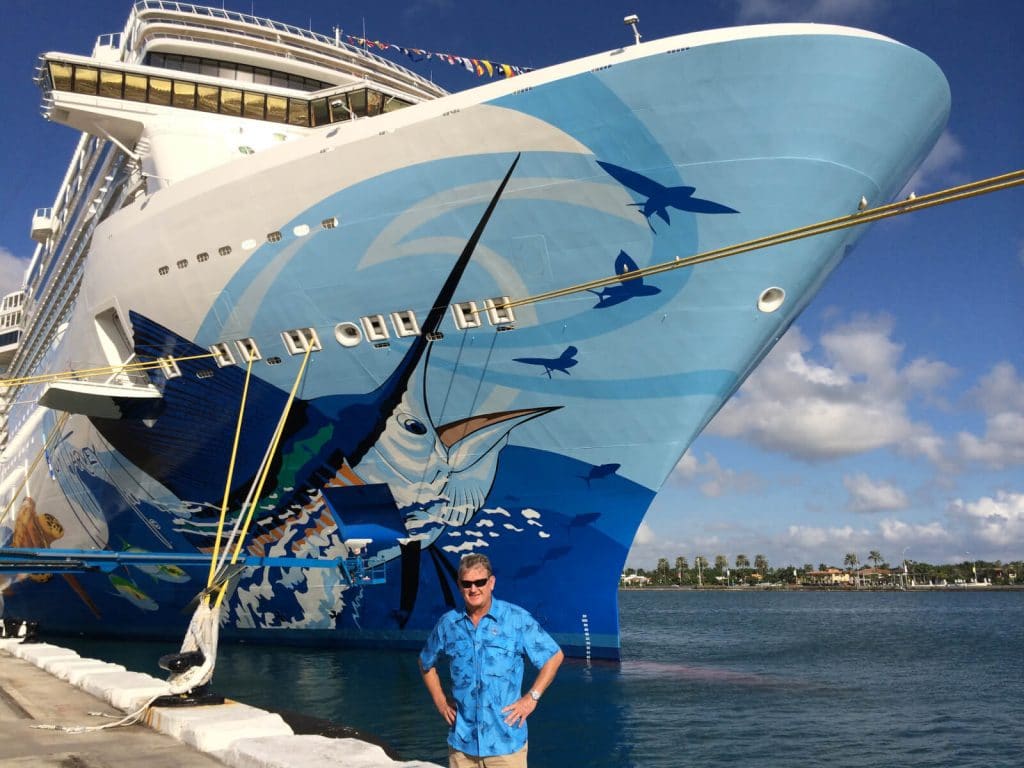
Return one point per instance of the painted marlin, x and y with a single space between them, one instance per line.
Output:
343 458
611 295
659 197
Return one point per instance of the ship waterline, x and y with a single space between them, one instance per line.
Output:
431 420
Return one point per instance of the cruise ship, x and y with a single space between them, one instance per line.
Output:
292 295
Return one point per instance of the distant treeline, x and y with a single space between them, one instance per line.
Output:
744 571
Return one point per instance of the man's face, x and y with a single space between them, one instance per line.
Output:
476 596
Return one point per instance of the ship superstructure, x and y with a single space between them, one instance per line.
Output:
247 195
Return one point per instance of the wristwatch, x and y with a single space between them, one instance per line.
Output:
534 694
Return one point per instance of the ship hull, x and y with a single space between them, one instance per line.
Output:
625 165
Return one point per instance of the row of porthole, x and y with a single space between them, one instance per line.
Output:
299 230
372 328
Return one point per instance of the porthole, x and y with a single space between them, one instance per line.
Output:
182 263
771 299
330 223
248 245
246 150
273 237
275 360
348 334
201 257
300 230
164 270
204 373
224 250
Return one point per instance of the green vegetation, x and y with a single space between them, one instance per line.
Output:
879 574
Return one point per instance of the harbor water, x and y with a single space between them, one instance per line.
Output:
707 678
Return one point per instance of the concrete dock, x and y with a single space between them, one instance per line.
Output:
46 685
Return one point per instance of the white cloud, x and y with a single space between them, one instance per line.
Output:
852 400
996 521
898 532
710 477
12 271
867 495
1000 395
834 11
937 170
644 535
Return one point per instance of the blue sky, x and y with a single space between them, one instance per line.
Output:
890 417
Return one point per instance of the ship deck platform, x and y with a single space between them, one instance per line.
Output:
47 693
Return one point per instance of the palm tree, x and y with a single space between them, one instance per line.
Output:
662 570
875 557
850 561
721 562
742 561
681 566
761 563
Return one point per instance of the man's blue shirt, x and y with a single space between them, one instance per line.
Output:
487 673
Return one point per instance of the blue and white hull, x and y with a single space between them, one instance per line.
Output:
627 159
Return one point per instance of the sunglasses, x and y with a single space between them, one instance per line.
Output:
478 583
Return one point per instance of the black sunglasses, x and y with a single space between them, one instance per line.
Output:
466 584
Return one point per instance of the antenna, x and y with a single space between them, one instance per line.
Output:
631 21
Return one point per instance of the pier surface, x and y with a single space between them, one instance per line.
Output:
30 696
46 685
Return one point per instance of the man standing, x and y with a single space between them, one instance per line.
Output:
486 644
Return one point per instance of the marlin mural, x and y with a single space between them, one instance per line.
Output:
659 197
611 295
562 363
346 462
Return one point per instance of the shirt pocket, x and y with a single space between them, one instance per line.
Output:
499 657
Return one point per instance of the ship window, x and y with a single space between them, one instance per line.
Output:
329 223
374 327
184 95
301 340
405 323
204 373
209 67
357 102
164 270
273 237
277 109
160 91
300 230
111 84
318 107
435 336
261 76
230 101
339 108
298 112
248 245
373 102
393 103
254 105
208 97
224 250
248 350
222 355
182 263
201 257
497 312
226 69
85 79
134 87
347 334
275 360
466 315
60 75
244 73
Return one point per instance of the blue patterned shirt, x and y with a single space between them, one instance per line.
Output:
487 673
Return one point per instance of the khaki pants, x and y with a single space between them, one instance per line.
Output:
458 759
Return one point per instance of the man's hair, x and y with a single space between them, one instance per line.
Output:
472 561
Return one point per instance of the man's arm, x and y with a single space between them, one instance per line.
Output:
433 682
523 707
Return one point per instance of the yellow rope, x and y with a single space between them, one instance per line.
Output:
265 471
952 194
57 428
231 472
142 365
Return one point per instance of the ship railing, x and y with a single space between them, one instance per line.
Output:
269 24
